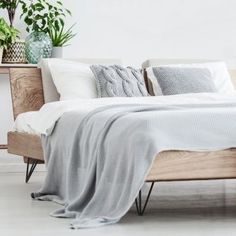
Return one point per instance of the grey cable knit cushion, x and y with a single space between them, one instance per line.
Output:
175 80
117 81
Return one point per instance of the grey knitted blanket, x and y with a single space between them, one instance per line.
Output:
97 167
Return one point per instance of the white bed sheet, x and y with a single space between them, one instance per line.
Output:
44 120
22 123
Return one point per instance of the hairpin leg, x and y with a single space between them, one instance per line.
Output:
30 170
138 201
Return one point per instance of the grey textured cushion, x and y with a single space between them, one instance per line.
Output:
117 81
175 80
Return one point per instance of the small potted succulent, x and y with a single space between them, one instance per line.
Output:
45 22
8 35
60 38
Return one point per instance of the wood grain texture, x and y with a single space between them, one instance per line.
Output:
183 165
26 89
5 67
31 160
4 70
23 144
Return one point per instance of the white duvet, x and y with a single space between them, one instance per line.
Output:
44 120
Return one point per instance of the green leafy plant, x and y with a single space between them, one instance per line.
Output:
8 34
10 6
61 36
40 15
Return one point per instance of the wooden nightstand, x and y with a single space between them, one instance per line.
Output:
5 70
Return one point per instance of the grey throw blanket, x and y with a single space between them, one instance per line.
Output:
96 168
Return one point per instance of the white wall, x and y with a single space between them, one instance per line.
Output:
138 29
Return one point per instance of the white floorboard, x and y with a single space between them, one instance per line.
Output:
193 208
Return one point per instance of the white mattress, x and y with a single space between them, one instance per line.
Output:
43 121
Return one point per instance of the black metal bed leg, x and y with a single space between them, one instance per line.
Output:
30 170
138 201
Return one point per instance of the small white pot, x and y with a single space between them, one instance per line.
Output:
1 53
57 52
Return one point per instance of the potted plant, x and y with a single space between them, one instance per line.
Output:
8 35
15 53
45 22
60 38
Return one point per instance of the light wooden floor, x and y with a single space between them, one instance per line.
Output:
194 208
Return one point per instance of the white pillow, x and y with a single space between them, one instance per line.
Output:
218 70
73 79
49 90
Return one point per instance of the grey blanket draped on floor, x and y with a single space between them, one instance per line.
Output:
97 167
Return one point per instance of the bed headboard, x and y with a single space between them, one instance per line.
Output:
156 62
26 90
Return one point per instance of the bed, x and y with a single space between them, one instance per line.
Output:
28 94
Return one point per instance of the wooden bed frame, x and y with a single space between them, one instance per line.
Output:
27 95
